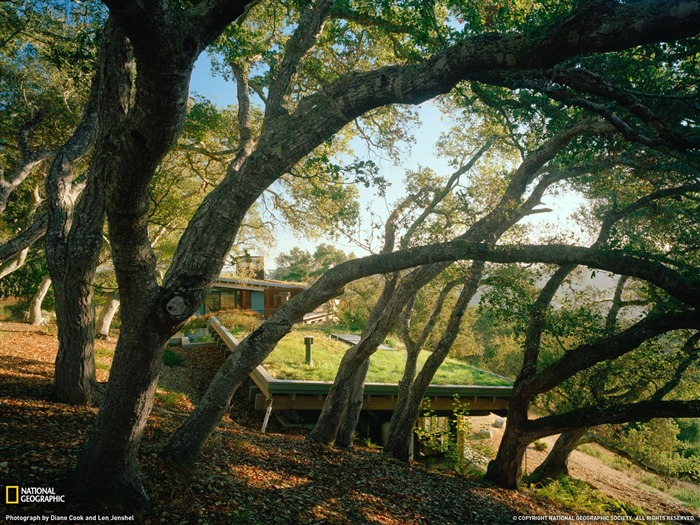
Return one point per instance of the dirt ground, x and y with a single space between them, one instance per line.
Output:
247 477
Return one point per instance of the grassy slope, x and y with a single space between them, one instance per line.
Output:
386 366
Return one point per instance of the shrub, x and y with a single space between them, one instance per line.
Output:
193 323
689 430
580 496
655 445
239 321
170 358
540 446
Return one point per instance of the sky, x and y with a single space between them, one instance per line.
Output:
222 93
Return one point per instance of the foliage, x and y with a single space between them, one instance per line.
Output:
189 172
194 323
239 322
655 445
689 430
689 496
540 446
582 497
299 265
24 282
354 306
449 437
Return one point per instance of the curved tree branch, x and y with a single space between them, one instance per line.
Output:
591 416
310 25
611 347
27 237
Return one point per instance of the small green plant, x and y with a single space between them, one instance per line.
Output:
581 497
194 323
170 358
173 400
689 496
199 335
591 451
448 437
367 442
655 481
243 517
540 446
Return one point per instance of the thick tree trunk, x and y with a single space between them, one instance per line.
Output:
34 316
74 377
556 462
108 469
506 469
74 234
107 313
190 436
401 427
340 394
167 40
346 432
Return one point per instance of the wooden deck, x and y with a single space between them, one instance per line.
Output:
283 394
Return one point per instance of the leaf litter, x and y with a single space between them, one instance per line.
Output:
242 475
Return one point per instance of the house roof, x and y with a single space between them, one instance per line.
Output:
255 284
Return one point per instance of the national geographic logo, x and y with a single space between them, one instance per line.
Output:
15 494
11 495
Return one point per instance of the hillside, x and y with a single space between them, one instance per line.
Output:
242 476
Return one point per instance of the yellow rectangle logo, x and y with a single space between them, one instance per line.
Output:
11 494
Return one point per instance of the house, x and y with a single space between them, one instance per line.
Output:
261 296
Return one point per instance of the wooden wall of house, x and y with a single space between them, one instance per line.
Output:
263 302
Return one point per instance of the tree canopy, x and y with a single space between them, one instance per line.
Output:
558 86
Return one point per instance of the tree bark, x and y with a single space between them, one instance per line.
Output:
107 313
74 377
74 235
26 238
108 469
382 319
13 254
511 207
29 160
555 464
348 380
346 432
34 316
14 263
508 471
